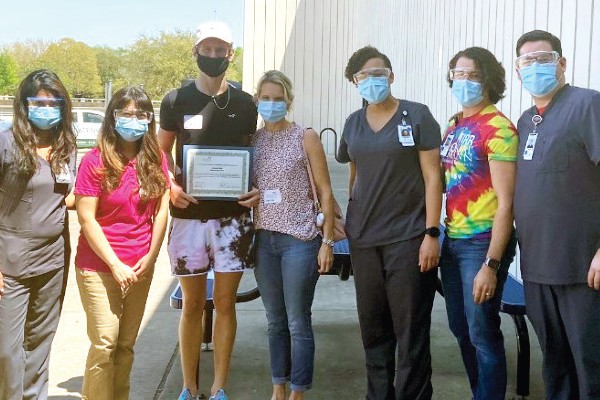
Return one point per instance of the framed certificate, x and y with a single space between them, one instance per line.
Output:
217 172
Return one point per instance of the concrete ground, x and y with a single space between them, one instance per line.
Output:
339 366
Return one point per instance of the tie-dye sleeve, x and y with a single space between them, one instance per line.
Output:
502 142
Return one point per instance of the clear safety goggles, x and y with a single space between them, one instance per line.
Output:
539 57
371 72
140 115
33 102
461 74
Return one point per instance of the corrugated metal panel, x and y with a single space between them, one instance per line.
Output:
311 41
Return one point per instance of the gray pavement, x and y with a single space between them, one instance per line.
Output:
339 367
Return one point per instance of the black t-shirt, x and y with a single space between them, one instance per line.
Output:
387 204
196 119
557 193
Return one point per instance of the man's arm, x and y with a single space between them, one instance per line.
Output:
180 199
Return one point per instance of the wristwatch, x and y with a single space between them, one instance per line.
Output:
492 263
433 231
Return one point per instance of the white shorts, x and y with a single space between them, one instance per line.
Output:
223 245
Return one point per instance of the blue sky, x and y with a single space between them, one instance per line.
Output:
111 22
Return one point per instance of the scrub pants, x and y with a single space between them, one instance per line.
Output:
29 313
394 301
567 323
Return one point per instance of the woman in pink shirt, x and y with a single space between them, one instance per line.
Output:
121 195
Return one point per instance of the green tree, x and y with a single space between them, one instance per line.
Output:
76 65
26 55
112 65
9 77
161 63
234 73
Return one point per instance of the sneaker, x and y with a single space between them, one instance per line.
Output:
187 395
220 395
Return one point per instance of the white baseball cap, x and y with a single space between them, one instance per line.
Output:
213 29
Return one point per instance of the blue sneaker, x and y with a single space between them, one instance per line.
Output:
220 395
187 395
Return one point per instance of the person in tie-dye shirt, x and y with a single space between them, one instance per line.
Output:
479 153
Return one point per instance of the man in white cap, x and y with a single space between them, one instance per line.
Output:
208 234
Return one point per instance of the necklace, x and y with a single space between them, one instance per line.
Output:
214 99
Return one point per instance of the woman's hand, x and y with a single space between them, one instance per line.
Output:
429 253
145 266
250 199
325 258
124 275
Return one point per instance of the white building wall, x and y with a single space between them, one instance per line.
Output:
311 41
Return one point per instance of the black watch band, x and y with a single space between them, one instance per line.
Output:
433 231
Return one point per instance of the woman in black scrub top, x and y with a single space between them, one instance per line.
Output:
392 222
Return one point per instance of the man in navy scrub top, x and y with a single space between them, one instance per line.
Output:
557 213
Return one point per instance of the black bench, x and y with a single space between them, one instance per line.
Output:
341 267
513 304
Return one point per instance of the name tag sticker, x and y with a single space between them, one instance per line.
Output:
530 146
405 135
272 196
446 145
64 176
192 121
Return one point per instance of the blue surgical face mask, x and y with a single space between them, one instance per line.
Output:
130 129
468 93
272 111
374 89
44 117
539 79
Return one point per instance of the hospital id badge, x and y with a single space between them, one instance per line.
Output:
64 176
272 196
530 146
405 135
446 145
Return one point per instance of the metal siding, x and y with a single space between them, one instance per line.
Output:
418 36
595 47
314 39
583 36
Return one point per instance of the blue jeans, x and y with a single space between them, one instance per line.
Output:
476 326
286 273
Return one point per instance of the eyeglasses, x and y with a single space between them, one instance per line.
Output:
371 72
140 115
33 102
210 51
539 57
461 74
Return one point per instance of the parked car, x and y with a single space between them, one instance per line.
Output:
86 125
5 124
